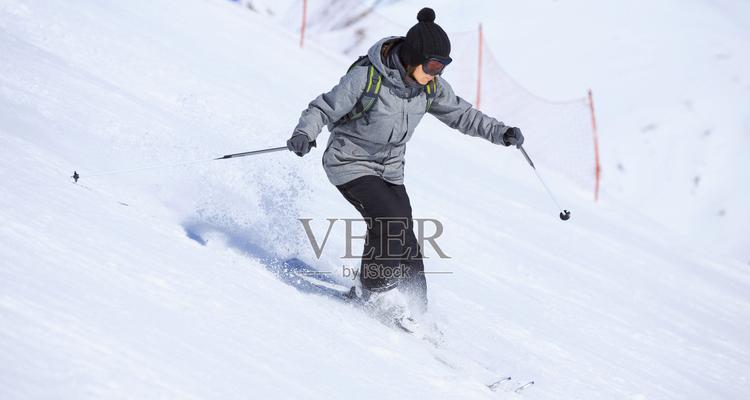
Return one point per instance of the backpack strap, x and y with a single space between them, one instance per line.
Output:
369 94
431 89
361 60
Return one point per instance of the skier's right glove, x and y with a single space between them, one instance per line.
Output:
300 144
513 137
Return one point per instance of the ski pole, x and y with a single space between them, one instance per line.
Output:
251 153
76 176
564 214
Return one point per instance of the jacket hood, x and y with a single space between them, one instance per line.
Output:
392 76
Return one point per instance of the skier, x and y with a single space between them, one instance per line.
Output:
371 114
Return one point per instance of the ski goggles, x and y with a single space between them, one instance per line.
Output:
435 64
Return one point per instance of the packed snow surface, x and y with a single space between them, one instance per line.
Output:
142 282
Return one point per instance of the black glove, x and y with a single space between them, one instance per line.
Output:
300 144
513 137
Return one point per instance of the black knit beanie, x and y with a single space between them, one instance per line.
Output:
424 39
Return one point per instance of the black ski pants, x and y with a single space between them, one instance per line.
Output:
392 257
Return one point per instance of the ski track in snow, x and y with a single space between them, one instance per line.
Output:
152 284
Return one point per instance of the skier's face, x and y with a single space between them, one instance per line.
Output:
420 76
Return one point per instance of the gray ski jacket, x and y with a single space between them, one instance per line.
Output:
376 144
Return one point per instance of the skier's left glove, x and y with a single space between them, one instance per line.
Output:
513 137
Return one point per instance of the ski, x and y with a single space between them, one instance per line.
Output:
308 279
497 384
524 386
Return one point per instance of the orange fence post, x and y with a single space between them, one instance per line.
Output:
597 166
479 67
304 22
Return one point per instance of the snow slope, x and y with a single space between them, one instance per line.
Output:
151 283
